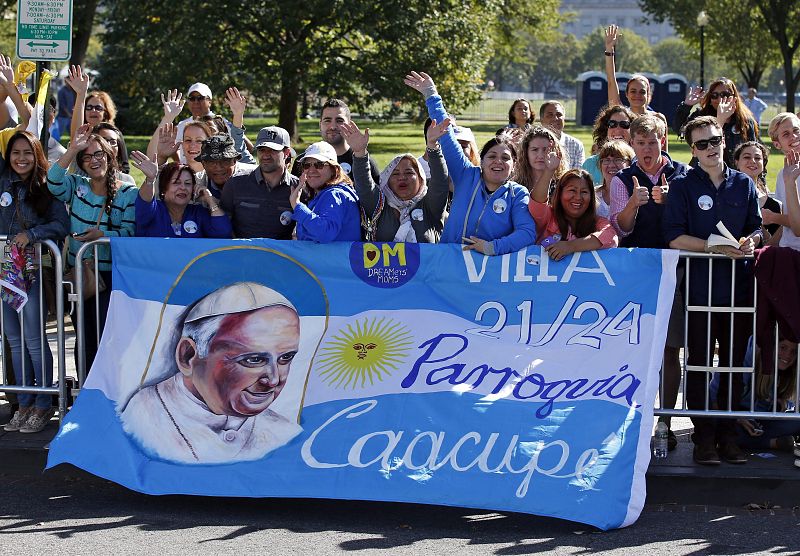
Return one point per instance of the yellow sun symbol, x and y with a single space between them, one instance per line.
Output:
367 350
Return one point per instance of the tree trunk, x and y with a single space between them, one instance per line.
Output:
82 22
287 104
790 79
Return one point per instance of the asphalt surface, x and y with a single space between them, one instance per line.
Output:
75 513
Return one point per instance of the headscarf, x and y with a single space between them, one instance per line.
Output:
405 233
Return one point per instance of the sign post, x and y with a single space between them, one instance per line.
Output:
44 30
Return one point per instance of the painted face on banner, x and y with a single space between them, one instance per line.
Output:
248 361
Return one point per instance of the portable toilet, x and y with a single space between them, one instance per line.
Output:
671 92
592 95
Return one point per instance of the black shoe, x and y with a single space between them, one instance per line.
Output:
672 440
731 453
705 454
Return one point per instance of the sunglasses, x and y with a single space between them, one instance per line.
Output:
195 98
95 108
723 94
704 143
624 124
317 164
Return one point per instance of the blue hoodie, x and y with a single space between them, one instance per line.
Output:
332 215
500 217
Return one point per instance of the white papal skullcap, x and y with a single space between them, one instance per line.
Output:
240 297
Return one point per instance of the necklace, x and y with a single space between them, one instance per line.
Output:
174 424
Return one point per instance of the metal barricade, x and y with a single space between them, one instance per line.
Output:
734 312
47 256
80 302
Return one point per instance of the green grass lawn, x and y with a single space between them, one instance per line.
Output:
388 140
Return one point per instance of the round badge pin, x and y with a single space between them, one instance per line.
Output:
416 214
705 202
190 226
346 167
81 191
286 218
499 206
5 199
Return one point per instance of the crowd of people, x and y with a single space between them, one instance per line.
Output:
530 184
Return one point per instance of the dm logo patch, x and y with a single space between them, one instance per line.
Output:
385 265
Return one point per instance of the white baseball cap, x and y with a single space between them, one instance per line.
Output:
201 88
323 151
463 134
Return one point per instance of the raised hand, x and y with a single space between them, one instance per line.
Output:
693 96
552 160
297 192
357 140
422 82
660 191
81 139
168 143
236 101
173 104
147 166
78 80
640 194
6 71
791 168
725 110
611 36
436 131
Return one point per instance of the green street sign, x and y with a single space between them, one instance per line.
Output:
44 29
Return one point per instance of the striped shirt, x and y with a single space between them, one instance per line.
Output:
85 207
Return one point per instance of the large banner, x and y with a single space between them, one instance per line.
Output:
395 372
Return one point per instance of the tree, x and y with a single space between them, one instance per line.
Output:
555 61
736 31
780 17
675 55
517 33
355 50
83 14
634 54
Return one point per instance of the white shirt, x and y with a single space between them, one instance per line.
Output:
171 423
788 239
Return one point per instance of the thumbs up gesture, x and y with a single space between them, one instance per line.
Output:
660 191
640 194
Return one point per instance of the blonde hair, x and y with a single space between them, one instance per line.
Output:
778 120
647 124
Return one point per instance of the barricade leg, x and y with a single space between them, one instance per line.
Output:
31 357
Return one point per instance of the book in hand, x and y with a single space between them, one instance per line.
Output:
725 239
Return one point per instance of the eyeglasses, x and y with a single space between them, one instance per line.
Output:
704 143
624 124
317 164
95 108
97 155
723 94
615 161
195 98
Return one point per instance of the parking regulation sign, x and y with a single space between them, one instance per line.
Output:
44 29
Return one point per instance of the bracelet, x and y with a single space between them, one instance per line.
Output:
212 208
434 150
607 53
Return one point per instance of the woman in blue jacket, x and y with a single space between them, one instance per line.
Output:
332 213
489 213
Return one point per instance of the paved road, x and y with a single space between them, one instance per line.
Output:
81 515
